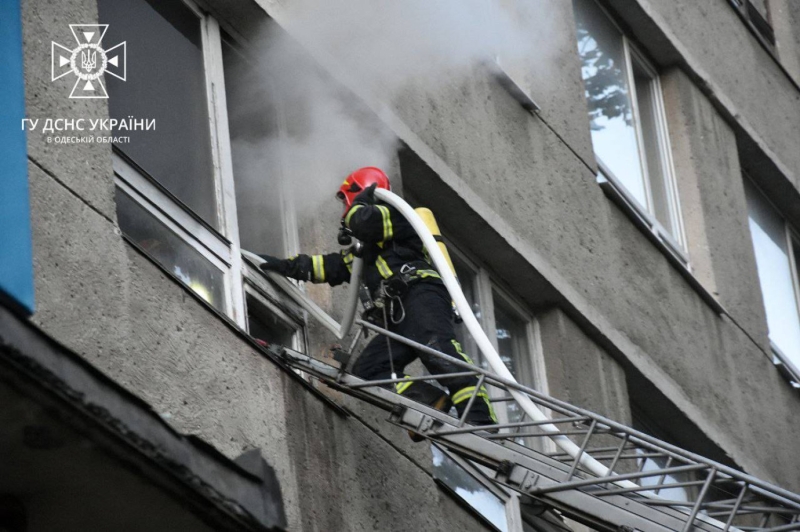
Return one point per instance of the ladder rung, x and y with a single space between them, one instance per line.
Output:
614 501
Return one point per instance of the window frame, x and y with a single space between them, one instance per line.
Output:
532 367
785 366
220 247
485 285
644 215
509 499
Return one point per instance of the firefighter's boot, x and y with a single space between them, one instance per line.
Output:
427 394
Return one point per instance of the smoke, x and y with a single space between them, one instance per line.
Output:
319 132
389 43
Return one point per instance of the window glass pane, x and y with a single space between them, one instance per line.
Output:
512 346
604 74
468 488
468 280
165 82
170 250
252 124
648 114
264 325
646 424
768 231
654 464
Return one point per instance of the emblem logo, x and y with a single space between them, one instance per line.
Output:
88 61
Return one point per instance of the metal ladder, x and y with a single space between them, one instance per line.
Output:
630 497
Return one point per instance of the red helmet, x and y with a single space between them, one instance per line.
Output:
360 180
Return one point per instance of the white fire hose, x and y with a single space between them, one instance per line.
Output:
484 344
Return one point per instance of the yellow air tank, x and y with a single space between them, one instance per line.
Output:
433 227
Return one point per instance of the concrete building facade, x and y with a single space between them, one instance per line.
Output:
619 187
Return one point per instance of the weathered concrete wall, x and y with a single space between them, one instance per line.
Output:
713 205
785 18
512 170
579 371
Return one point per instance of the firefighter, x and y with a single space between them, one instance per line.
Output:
417 305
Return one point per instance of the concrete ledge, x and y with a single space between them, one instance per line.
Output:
81 401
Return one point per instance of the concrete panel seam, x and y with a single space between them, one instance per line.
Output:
68 189
565 143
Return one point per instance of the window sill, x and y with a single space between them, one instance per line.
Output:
253 277
658 236
507 81
785 367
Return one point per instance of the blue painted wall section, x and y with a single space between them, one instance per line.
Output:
16 259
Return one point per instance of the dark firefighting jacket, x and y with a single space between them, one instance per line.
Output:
391 246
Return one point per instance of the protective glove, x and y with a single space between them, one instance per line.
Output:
298 267
367 196
274 264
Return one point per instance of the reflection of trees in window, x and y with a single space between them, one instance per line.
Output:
601 78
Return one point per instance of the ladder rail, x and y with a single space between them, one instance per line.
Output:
528 464
599 496
634 435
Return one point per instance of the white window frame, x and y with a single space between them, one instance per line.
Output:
220 247
789 371
482 475
485 285
644 215
290 318
532 369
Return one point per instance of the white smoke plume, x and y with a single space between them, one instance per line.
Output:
323 132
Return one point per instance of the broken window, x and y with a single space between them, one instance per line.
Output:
628 125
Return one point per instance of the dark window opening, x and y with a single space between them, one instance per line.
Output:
165 82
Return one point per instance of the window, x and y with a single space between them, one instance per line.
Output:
266 219
513 346
755 14
628 125
777 250
510 328
183 187
513 331
173 182
653 463
464 480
